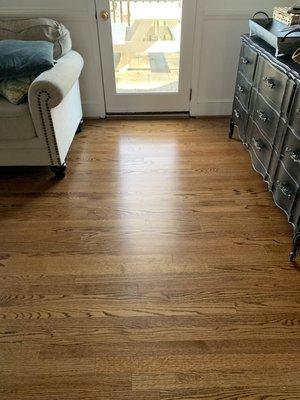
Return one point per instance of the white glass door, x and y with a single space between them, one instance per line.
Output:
146 51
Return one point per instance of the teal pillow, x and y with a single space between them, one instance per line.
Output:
20 58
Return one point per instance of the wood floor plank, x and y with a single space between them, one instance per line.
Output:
88 328
198 363
241 393
87 394
156 270
56 383
171 348
221 382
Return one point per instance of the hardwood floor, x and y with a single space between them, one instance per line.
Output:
157 270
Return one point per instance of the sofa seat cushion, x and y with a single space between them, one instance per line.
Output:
15 121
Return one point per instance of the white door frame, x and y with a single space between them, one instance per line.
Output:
148 102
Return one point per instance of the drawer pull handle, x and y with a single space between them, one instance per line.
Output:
258 144
293 155
285 190
269 82
244 60
262 116
237 114
241 89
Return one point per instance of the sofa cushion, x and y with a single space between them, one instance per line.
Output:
16 90
15 121
38 29
21 58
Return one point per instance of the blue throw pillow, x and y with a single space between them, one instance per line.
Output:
19 58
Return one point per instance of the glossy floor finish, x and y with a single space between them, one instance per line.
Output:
157 270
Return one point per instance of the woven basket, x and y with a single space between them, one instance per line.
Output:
280 14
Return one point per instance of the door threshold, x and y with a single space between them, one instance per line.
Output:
175 115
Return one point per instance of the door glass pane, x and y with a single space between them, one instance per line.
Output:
146 44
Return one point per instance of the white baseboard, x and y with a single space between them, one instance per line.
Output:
212 108
202 108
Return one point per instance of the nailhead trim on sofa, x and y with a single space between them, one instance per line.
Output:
45 130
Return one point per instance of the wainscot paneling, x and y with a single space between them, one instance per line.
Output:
220 24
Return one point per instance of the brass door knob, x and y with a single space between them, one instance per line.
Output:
104 15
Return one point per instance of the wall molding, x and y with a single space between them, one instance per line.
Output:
229 14
219 23
45 14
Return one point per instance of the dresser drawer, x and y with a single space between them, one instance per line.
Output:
291 155
280 135
265 116
243 90
295 216
284 189
272 169
295 111
271 83
248 61
259 146
240 117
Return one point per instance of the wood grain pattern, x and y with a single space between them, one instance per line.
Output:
157 270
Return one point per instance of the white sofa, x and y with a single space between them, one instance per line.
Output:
41 131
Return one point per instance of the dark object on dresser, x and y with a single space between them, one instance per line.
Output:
295 9
285 39
266 112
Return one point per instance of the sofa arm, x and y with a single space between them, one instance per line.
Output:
47 93
57 81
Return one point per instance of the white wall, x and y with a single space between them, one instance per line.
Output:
220 24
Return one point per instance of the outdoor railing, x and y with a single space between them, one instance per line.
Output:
120 9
